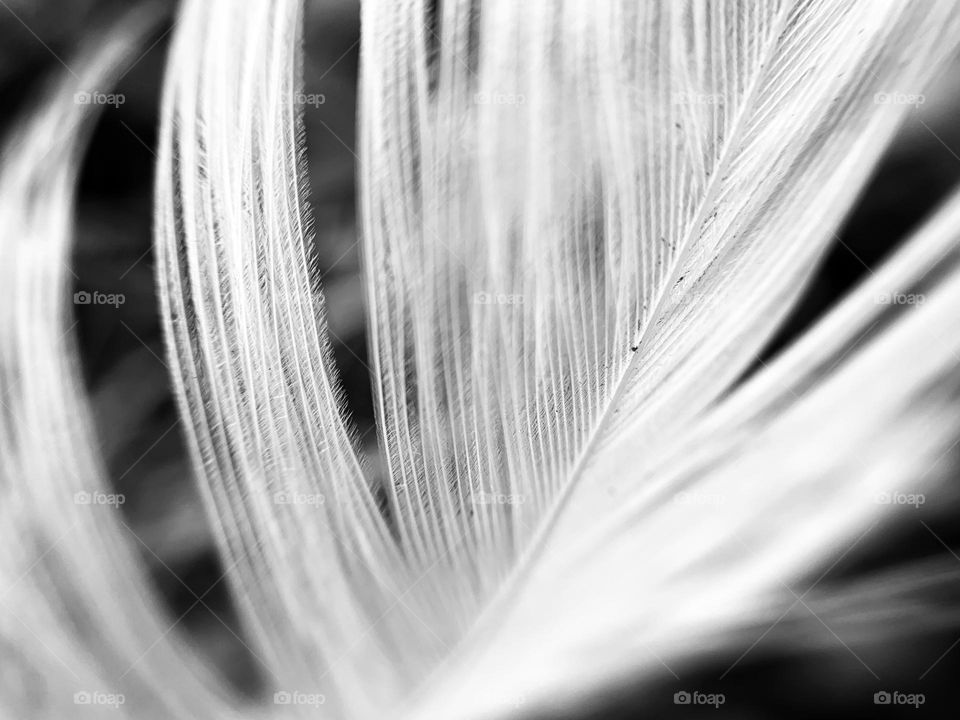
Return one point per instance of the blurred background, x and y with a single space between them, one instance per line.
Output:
801 668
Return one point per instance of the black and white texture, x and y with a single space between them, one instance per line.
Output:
479 359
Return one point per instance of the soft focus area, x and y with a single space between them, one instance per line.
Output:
124 365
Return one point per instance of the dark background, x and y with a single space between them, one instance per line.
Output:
122 354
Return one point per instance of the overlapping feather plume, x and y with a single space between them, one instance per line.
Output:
581 224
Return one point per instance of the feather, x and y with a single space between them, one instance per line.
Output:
582 224
313 560
80 620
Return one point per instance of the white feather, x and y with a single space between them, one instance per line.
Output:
78 613
582 222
